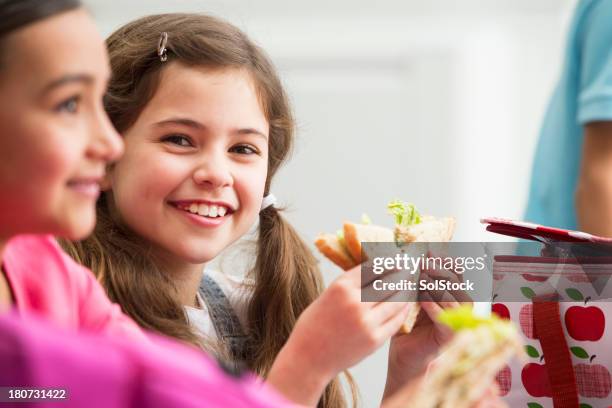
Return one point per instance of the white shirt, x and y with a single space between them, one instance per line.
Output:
237 293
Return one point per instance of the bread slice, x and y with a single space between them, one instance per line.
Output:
330 246
430 229
355 234
407 326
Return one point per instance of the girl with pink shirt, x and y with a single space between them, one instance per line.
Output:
55 141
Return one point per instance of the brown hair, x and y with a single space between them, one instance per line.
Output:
16 14
286 275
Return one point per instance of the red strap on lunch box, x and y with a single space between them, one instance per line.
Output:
547 325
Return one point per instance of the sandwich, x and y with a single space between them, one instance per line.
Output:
345 250
467 365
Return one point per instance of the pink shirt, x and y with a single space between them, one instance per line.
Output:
113 371
54 340
46 282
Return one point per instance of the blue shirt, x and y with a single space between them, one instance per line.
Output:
583 95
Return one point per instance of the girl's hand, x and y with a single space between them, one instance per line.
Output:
403 397
410 353
334 333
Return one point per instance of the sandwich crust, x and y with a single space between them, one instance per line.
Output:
329 246
355 234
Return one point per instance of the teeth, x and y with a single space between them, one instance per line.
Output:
213 210
203 210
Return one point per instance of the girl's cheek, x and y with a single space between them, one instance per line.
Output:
59 161
148 178
254 184
69 142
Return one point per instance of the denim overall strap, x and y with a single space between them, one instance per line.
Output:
224 318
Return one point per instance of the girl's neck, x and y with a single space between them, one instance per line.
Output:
185 276
187 284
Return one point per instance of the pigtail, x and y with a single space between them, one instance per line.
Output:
287 280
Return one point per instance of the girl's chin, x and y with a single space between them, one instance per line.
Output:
78 222
77 231
196 255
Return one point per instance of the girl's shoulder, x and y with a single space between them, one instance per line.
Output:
37 264
28 248
47 282
43 279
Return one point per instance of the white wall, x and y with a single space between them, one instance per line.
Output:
436 102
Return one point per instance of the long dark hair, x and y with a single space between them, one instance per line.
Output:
15 14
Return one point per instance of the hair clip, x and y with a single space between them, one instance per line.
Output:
161 47
268 201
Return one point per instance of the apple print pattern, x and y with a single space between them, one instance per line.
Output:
504 380
534 376
526 384
501 310
584 323
526 320
592 380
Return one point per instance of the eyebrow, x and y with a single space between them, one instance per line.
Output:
67 79
199 126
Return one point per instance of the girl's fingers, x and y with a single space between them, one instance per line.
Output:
374 291
462 297
353 274
368 277
402 296
449 305
386 310
391 326
432 309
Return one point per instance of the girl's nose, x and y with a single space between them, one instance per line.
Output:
106 144
213 173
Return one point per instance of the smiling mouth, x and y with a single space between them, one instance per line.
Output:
89 187
205 210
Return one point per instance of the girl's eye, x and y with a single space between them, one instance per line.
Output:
244 149
70 105
178 140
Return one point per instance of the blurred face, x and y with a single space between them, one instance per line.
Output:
192 178
55 138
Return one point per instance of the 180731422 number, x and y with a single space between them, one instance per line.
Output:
24 394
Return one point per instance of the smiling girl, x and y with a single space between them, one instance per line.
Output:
207 124
55 141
